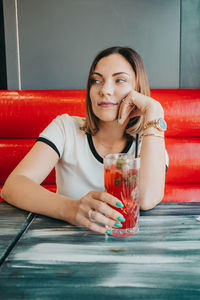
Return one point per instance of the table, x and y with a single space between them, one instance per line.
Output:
12 223
55 260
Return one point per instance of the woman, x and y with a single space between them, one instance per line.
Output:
118 106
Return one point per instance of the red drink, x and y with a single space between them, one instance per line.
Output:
122 181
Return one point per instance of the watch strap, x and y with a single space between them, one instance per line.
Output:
151 123
155 124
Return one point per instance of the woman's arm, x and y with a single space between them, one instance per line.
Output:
153 164
152 169
23 189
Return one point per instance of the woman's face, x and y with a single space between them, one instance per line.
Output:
112 80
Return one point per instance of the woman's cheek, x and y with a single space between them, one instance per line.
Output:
93 93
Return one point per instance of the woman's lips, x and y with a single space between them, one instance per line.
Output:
107 104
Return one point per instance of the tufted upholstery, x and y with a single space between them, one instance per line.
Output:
24 114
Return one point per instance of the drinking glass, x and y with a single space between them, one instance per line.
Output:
121 175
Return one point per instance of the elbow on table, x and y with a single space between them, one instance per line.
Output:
148 202
4 192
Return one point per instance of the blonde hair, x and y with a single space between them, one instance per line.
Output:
142 86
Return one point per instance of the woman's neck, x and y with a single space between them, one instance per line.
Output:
109 139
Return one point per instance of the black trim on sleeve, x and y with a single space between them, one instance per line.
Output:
52 145
97 156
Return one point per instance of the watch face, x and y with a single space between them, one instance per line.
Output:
162 124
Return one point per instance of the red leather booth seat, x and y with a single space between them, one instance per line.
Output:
24 114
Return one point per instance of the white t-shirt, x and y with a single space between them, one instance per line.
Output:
80 169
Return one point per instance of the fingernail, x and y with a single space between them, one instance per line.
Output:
120 117
119 204
117 123
118 224
108 231
121 219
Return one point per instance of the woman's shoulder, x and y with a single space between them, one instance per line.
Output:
79 120
70 125
66 120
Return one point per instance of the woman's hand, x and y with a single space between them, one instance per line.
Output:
137 104
95 206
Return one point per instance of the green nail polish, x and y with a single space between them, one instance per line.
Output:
118 225
117 123
120 117
121 219
108 231
119 204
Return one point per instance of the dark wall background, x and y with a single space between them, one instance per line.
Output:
190 44
51 44
3 77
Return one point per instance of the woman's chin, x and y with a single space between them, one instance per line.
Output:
108 117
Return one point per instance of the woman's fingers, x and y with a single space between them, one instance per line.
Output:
105 197
101 202
105 220
93 226
105 209
127 106
97 206
131 106
98 217
134 104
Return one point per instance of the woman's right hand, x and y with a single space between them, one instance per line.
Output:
95 207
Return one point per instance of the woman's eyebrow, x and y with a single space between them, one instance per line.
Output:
119 73
115 74
96 73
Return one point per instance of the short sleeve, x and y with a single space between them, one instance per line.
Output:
54 134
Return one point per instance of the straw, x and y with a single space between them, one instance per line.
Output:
136 145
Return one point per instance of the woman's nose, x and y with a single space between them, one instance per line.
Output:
106 89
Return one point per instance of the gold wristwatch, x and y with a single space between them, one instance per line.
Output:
160 124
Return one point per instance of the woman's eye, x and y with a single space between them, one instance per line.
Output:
95 81
120 80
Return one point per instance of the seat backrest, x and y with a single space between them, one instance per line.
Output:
24 114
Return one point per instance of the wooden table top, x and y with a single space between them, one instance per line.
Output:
55 260
12 223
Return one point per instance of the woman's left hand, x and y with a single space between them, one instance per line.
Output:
137 104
